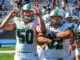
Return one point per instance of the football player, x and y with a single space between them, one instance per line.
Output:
26 33
72 49
57 38
77 50
68 21
75 53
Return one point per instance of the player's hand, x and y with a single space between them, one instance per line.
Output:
36 8
14 12
72 46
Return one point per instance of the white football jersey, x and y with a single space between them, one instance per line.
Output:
75 27
61 51
78 29
67 25
25 35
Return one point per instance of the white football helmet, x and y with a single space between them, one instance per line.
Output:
27 9
74 18
56 13
67 15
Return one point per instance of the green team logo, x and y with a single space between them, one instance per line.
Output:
27 38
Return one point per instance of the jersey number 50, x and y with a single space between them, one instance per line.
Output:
28 38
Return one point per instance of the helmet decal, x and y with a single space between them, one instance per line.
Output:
56 12
29 6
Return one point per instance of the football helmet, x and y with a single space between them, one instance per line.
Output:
56 18
74 18
68 17
27 12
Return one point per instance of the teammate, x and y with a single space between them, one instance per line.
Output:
68 19
77 50
26 33
75 21
72 49
75 55
57 39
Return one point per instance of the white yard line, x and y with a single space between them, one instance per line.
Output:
7 51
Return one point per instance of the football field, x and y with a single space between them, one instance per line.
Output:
7 48
7 56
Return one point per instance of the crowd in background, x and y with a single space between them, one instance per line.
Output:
67 6
72 6
3 7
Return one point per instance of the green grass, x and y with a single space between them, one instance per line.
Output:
6 56
7 48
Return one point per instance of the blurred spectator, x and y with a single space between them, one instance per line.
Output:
63 4
0 5
75 4
74 11
4 8
39 0
25 2
16 4
57 3
71 2
79 2
68 8
66 1
35 0
49 2
3 0
61 10
48 9
44 10
53 3
79 7
0 13
19 3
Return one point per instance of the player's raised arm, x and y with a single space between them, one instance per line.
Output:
41 28
6 22
38 15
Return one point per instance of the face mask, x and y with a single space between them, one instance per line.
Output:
29 18
55 25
